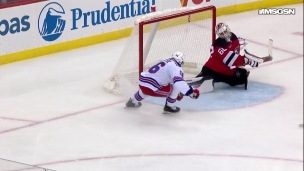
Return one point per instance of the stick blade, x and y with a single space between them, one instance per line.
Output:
267 58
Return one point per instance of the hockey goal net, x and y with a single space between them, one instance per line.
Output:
157 35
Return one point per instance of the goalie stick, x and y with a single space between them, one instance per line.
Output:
196 81
256 58
261 59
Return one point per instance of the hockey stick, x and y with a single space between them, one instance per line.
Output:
261 59
256 58
196 81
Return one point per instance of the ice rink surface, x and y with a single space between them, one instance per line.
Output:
54 112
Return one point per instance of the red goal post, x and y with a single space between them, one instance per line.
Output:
157 35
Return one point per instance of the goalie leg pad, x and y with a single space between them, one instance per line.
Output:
207 86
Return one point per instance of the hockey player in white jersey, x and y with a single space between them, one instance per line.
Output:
165 79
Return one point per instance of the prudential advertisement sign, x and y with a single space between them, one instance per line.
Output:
52 20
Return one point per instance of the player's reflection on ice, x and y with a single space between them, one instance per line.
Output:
225 97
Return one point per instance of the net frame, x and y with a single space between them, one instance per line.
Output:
119 79
142 23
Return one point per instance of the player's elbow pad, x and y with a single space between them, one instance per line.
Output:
189 92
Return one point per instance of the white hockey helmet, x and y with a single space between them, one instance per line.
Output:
179 57
223 31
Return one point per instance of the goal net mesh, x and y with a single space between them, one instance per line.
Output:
156 36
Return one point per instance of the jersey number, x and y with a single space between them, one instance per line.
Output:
221 51
156 67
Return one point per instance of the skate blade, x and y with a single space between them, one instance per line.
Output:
130 108
166 112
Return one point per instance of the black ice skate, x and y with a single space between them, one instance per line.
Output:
168 109
130 104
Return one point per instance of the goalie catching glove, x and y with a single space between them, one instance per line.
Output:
242 42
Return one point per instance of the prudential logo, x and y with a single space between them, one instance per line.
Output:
50 22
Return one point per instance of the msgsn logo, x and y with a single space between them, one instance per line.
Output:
277 11
50 22
110 13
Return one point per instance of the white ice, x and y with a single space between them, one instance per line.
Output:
54 112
